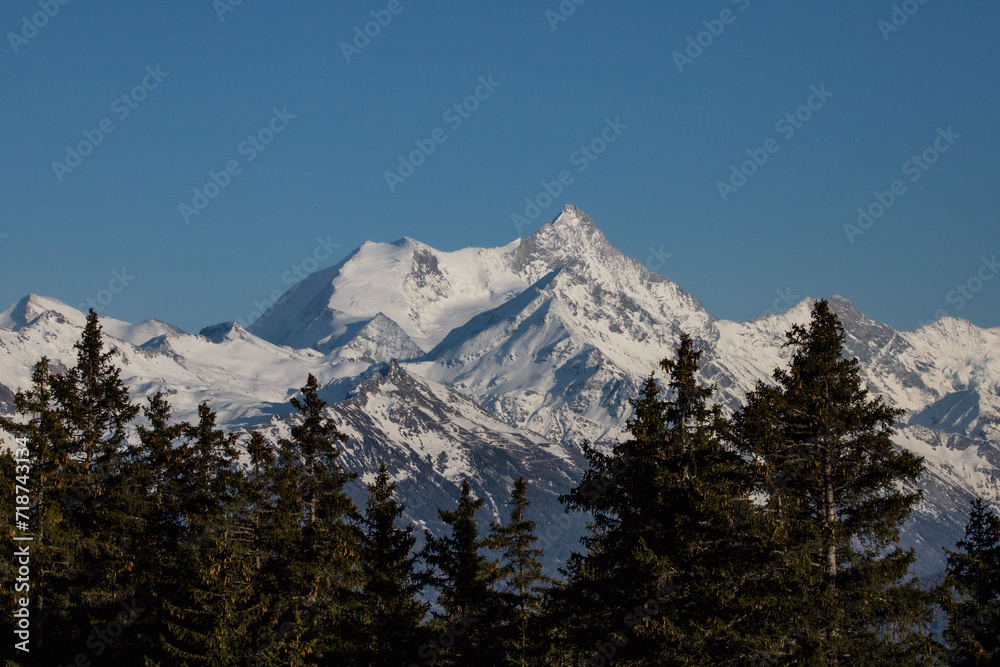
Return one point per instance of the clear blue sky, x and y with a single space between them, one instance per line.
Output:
656 186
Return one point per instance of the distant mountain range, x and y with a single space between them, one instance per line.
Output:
489 363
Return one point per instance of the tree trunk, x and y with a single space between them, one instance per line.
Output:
831 548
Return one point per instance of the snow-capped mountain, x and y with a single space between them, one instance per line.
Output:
425 291
512 356
241 376
433 437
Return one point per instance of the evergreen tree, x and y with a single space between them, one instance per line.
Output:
88 511
209 609
464 577
837 493
216 625
389 613
971 591
671 567
156 472
255 536
104 509
53 492
208 478
316 527
93 400
619 491
258 492
523 583
159 458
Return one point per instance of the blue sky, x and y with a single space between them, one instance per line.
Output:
199 81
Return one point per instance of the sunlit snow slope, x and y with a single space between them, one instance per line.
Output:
515 355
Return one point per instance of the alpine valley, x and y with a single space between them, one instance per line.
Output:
490 363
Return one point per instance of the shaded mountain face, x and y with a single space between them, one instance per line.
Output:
433 437
379 340
510 355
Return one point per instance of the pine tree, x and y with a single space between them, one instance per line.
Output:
88 516
971 591
670 570
317 530
159 456
156 472
522 580
837 493
96 412
464 577
619 491
209 609
389 613
93 400
258 493
54 492
254 535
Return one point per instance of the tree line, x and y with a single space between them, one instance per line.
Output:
765 538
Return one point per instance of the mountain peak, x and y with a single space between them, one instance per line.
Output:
407 242
31 307
570 238
377 376
572 223
572 216
381 339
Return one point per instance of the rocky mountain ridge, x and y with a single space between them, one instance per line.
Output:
482 362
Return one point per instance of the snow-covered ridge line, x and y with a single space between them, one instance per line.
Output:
549 335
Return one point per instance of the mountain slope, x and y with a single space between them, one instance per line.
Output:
510 355
426 291
433 437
